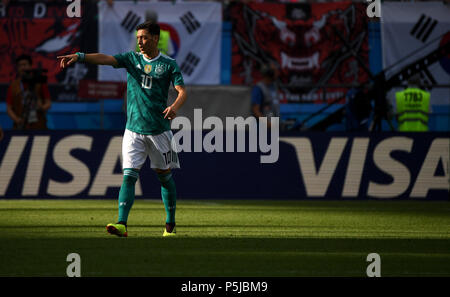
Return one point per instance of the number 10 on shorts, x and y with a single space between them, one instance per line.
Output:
146 81
170 156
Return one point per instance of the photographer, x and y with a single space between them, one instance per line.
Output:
28 98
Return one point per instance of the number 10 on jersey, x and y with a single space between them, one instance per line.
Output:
146 81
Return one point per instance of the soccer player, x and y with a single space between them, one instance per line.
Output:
147 133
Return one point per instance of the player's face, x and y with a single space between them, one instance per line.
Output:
146 42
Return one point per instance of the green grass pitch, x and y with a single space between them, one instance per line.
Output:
227 238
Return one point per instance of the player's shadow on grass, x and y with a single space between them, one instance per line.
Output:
242 256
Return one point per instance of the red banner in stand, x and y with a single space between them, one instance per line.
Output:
309 44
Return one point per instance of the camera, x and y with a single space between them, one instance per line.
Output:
35 76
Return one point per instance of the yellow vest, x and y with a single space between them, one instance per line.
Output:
413 106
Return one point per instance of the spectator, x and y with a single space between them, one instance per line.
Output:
357 110
264 98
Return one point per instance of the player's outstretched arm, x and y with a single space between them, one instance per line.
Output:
97 58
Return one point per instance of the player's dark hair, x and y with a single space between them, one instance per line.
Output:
24 57
151 27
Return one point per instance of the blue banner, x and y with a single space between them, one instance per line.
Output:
87 164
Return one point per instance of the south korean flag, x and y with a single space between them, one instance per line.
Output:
195 36
410 31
